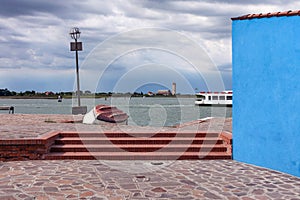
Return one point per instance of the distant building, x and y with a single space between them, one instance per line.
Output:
49 93
164 92
150 93
173 89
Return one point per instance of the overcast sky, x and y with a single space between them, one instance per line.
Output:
35 52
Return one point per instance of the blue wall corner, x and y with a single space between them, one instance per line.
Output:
266 86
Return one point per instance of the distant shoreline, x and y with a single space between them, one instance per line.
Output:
25 97
93 96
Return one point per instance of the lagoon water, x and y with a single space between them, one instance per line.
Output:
142 111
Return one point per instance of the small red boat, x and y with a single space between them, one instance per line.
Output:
110 114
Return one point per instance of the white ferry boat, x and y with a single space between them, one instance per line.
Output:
214 98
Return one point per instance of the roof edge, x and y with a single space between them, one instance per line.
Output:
268 15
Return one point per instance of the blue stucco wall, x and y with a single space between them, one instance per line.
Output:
266 87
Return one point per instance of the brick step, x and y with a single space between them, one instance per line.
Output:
139 148
138 134
126 140
137 156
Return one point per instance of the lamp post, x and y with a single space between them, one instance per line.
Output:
77 46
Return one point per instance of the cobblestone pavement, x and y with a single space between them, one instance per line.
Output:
214 179
35 125
114 180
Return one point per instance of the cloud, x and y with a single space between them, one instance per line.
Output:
34 33
47 80
15 8
122 53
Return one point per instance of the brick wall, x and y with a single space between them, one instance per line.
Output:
26 149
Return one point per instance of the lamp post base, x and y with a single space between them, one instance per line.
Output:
79 110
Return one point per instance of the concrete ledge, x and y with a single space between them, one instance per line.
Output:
227 138
26 149
79 110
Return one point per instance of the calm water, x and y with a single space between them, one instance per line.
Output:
142 111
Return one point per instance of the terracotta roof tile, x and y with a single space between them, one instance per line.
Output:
295 12
264 15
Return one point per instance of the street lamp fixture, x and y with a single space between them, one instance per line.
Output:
75 33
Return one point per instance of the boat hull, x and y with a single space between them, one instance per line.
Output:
105 114
217 99
110 114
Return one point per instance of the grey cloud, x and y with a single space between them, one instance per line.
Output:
251 2
225 8
185 7
13 8
42 26
66 9
217 22
238 2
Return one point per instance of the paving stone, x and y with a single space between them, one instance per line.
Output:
168 196
8 198
86 194
188 182
286 186
50 189
269 186
112 187
38 183
42 197
258 192
149 194
158 189
263 198
98 198
71 196
211 195
128 186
